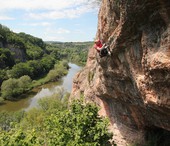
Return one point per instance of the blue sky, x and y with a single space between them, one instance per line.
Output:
52 20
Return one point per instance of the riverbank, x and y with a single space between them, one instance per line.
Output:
12 89
30 98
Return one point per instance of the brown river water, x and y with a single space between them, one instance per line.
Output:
29 100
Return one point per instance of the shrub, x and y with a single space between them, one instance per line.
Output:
14 87
79 125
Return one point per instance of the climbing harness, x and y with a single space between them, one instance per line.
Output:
104 54
104 51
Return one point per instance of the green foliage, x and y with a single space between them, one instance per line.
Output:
2 76
80 125
49 104
1 100
32 47
6 58
13 38
14 87
55 124
8 119
47 63
20 69
60 69
90 76
33 40
37 53
19 138
73 52
35 47
3 33
8 88
32 68
34 61
24 82
37 68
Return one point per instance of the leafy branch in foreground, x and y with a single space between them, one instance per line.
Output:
78 125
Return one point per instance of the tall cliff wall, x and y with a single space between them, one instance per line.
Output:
132 86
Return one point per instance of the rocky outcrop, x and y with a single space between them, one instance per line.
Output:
18 53
132 86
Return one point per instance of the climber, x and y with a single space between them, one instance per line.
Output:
102 49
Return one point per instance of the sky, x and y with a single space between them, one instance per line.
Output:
52 20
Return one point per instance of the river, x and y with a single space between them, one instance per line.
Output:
29 100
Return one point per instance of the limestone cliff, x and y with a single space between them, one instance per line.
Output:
132 85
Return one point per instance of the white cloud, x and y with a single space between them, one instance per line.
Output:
41 4
6 18
34 4
78 31
53 31
53 38
47 15
38 24
51 9
62 31
68 13
59 34
27 14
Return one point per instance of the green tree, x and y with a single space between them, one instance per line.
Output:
60 69
21 69
80 125
2 76
7 118
6 58
13 87
37 68
47 63
24 82
8 88
73 52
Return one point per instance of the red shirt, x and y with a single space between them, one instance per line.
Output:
98 45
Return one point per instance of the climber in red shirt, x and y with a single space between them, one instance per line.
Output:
98 45
102 49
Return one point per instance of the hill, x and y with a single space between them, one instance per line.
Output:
75 52
27 58
18 47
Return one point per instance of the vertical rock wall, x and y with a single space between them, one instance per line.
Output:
132 85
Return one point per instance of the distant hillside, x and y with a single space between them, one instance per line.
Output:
72 51
18 47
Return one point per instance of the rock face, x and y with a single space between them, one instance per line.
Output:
19 53
132 86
